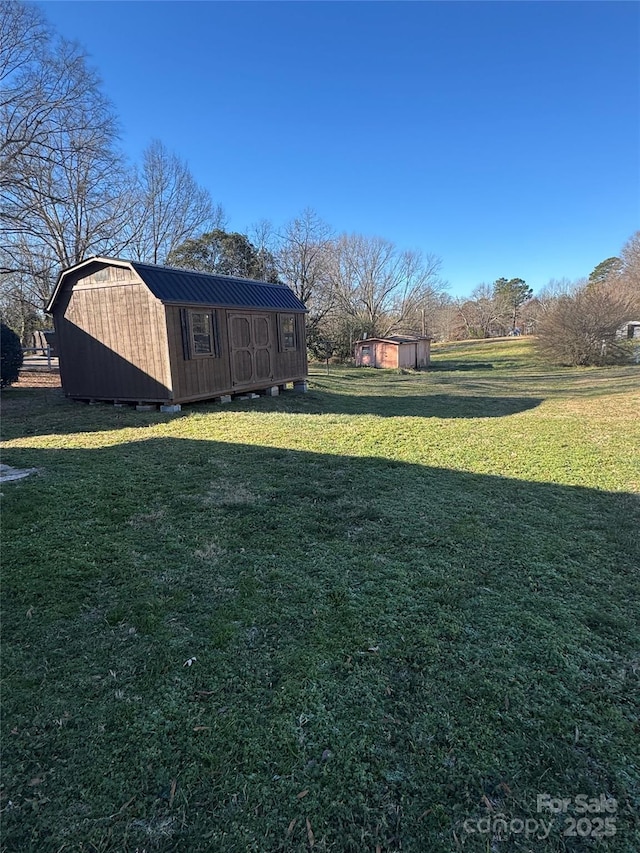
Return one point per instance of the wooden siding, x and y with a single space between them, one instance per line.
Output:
381 354
197 378
103 276
112 342
258 361
365 355
290 364
374 352
423 352
405 355
390 355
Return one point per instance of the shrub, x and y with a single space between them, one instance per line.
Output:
581 329
10 356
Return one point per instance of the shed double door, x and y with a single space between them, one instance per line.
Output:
251 344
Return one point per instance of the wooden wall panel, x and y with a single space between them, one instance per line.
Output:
114 344
290 365
424 352
406 355
199 378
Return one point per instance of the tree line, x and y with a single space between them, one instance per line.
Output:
586 322
67 192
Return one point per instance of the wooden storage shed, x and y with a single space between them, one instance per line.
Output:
394 351
128 331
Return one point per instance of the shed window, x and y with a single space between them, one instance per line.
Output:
366 350
287 332
199 334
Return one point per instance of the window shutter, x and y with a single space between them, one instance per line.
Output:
215 330
184 325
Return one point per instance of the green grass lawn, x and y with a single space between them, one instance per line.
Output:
409 601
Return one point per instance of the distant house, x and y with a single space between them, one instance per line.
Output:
127 331
393 351
629 331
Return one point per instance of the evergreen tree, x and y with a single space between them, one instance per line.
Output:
510 294
10 356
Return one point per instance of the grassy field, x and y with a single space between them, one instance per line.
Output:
377 617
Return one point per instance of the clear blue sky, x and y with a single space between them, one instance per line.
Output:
502 136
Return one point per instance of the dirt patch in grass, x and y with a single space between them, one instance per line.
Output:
227 493
144 519
37 379
211 552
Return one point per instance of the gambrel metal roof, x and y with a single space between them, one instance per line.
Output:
186 287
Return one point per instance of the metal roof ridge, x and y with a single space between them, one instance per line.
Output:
394 339
206 274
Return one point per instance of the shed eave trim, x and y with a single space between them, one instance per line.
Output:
391 341
233 306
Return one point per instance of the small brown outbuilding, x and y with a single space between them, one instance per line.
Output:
128 331
394 351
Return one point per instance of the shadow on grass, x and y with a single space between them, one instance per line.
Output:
417 406
367 631
451 365
48 412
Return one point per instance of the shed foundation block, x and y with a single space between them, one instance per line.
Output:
273 391
226 398
171 409
301 387
145 408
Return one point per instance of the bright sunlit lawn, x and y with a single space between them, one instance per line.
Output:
364 619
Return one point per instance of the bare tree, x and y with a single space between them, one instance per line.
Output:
582 328
481 314
170 206
439 319
630 273
365 278
557 287
17 309
63 180
262 237
24 39
304 257
380 290
418 295
304 254
579 322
